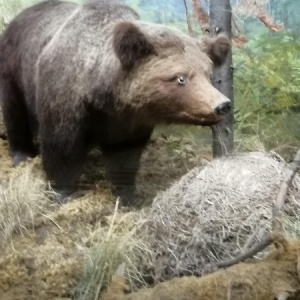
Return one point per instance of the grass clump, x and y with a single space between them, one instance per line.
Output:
23 196
110 249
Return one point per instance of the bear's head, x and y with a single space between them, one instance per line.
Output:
165 74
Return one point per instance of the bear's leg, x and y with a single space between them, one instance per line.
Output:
121 167
16 121
63 157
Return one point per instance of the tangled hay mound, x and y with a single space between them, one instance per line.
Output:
274 277
214 213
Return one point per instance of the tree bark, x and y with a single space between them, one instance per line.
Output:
220 21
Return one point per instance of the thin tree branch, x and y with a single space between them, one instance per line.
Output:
188 20
251 252
278 205
276 217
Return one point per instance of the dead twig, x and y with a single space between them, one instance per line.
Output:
113 220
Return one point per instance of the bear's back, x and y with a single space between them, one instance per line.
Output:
32 29
64 30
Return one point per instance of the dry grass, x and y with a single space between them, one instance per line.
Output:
110 249
250 143
213 214
23 196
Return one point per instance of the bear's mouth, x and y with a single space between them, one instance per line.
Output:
186 118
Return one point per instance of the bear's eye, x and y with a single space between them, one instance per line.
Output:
181 80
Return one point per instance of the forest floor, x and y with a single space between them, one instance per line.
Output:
44 243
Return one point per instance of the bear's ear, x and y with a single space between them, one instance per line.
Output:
217 48
130 44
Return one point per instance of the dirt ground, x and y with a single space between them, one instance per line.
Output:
44 260
275 277
43 256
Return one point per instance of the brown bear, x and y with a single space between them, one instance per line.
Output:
81 76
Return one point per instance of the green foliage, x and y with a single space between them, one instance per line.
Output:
267 87
268 74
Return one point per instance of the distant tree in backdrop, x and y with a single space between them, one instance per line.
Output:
213 17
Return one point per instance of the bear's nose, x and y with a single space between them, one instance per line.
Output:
223 108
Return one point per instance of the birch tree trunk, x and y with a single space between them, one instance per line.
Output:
220 21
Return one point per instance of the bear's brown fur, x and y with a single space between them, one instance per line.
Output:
95 75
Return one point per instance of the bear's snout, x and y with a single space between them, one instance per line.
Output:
223 108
